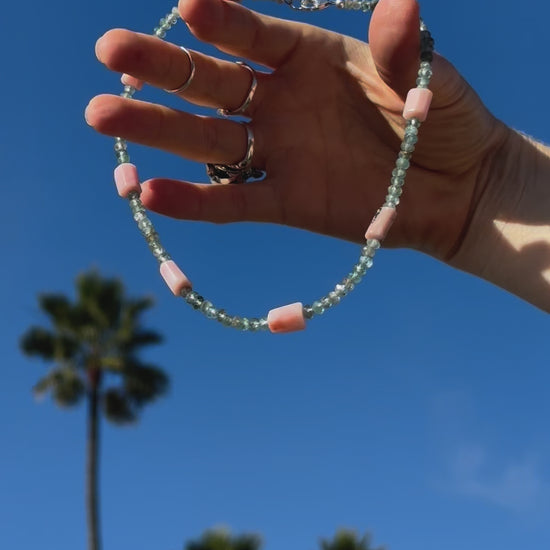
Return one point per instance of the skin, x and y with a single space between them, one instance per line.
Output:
327 123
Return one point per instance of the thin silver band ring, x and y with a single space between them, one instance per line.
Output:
248 99
239 172
186 84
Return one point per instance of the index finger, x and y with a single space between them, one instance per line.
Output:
241 32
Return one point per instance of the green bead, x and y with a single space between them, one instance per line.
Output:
208 309
366 261
308 312
340 289
373 243
223 318
318 307
402 163
122 157
254 324
237 322
395 190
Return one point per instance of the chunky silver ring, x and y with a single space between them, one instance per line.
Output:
248 99
239 172
186 84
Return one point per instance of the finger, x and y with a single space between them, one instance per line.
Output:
394 40
239 31
202 139
255 201
215 83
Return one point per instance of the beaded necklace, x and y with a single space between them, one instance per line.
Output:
290 317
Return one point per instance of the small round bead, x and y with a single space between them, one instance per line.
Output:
397 182
368 251
411 130
254 324
395 190
237 322
308 312
208 309
373 243
334 297
161 33
341 289
122 157
402 163
399 173
263 324
194 299
145 226
407 146
318 307
185 291
349 285
391 201
223 318
366 261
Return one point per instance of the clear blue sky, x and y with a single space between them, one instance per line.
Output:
418 409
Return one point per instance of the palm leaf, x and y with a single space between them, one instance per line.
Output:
144 383
48 345
117 407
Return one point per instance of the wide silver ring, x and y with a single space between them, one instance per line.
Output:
248 99
187 83
239 172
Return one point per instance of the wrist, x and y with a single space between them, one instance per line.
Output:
506 240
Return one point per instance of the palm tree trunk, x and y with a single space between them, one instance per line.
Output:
92 497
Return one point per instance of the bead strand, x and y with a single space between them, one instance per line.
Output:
291 317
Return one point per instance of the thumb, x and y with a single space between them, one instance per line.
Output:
394 40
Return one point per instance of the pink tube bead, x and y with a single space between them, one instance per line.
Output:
417 104
127 179
174 277
129 80
381 224
287 318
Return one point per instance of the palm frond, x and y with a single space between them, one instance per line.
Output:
144 383
346 539
222 539
66 386
117 407
102 298
41 342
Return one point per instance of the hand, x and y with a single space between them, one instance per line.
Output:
327 124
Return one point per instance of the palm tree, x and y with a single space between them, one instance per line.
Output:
221 539
348 540
92 343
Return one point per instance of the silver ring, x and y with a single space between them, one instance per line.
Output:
186 84
239 172
248 99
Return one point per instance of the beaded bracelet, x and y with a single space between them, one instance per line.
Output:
291 317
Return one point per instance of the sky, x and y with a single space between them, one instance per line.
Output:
416 410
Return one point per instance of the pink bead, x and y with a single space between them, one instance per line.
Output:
174 277
381 224
287 318
417 104
128 80
127 179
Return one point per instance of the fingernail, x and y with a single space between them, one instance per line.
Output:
86 114
99 48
